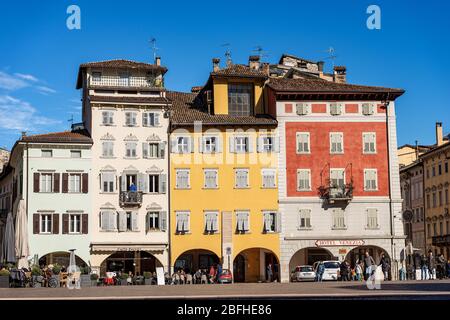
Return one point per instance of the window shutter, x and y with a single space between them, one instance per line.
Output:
65 182
173 145
156 119
134 221
201 144
55 223
147 222
162 183
246 217
85 182
162 150
123 183
249 144
65 223
145 119
260 146
231 141
145 147
85 223
35 223
141 182
206 222
266 221
190 144
218 144
163 220
36 182
122 221
56 182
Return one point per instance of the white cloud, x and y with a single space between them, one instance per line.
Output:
45 90
27 77
10 82
19 115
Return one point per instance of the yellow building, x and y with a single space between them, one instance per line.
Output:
223 177
436 191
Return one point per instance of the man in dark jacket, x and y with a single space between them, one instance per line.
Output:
370 264
431 265
440 267
423 267
384 263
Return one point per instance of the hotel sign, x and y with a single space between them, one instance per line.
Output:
339 243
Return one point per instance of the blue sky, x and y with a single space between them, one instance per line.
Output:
39 56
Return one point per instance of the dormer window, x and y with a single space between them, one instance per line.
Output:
240 99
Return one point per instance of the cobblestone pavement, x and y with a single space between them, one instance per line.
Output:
325 290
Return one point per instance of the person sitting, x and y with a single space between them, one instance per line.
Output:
132 187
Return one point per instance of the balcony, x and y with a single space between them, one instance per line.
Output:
126 82
441 240
130 198
337 193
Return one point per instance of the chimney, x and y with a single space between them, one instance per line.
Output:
158 61
24 134
340 74
320 65
216 66
253 62
439 134
265 68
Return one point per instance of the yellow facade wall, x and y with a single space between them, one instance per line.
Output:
220 89
197 199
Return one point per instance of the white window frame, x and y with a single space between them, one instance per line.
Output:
184 214
132 149
48 221
241 142
72 222
103 180
236 185
308 171
370 111
304 214
338 109
364 134
150 119
343 176
177 186
341 142
45 183
212 146
370 218
302 108
376 179
334 219
108 115
152 215
274 220
297 141
133 119
183 145
154 182
71 184
107 149
215 222
266 146
239 213
268 172
205 185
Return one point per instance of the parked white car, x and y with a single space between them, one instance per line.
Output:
303 273
331 269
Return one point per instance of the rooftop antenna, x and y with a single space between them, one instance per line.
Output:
228 53
260 52
332 56
71 120
154 48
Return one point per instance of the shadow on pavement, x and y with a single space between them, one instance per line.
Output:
420 286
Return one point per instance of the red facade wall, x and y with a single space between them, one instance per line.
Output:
351 108
319 108
320 155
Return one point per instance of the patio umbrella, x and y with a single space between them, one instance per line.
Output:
22 248
8 241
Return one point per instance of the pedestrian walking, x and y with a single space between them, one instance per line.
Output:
384 263
358 271
269 272
431 265
440 271
219 272
320 271
423 267
448 268
369 263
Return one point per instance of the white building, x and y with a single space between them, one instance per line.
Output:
125 112
51 173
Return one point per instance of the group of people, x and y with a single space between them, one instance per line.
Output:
432 267
361 270
201 276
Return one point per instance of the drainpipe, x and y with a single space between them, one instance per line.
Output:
391 215
168 228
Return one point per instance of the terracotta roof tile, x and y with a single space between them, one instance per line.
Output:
122 63
142 100
60 137
324 86
185 111
239 70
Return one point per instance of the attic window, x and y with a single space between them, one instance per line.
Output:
240 99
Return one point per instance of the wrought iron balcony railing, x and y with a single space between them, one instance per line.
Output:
130 198
334 193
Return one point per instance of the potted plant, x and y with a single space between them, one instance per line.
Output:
123 279
148 278
85 277
4 278
36 276
94 279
